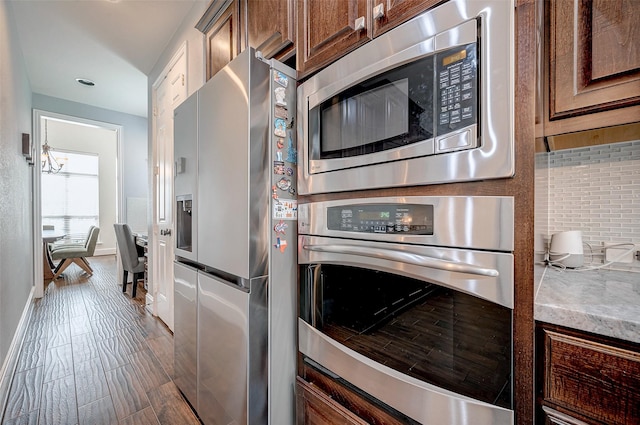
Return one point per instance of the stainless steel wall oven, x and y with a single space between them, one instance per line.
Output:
410 300
428 102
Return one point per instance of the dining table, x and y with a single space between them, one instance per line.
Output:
49 236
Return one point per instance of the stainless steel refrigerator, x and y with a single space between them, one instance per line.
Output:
235 273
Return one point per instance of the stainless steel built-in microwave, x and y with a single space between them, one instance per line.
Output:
428 102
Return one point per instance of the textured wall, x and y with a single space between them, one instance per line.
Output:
595 190
16 222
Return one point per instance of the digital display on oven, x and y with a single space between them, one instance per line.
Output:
411 219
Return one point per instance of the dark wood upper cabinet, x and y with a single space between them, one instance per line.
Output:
388 14
221 26
328 29
594 64
231 26
271 27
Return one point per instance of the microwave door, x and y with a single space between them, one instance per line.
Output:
395 109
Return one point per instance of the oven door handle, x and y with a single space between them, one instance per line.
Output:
404 257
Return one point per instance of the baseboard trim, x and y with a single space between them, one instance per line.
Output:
11 361
149 303
105 251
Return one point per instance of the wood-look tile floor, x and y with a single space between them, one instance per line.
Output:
93 355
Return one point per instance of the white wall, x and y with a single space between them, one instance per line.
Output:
195 52
81 138
16 177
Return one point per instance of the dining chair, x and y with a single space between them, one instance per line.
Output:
68 242
76 254
131 262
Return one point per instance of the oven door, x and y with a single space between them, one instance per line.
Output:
425 330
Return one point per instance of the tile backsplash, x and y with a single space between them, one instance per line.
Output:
593 189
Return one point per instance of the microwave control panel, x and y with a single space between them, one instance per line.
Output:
457 88
382 218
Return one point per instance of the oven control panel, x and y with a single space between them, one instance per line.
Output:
416 219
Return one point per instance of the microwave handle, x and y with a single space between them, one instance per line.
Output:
404 257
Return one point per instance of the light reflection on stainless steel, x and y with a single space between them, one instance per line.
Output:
423 402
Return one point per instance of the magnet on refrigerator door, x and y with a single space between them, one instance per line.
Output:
285 209
278 167
280 94
280 78
280 227
280 129
292 154
281 112
284 184
281 244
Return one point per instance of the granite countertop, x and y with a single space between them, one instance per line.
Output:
603 302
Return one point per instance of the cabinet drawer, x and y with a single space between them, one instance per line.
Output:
315 407
592 379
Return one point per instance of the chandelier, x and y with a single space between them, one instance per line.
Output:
50 164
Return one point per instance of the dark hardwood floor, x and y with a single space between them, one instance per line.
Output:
93 355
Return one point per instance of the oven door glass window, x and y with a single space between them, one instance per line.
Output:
437 335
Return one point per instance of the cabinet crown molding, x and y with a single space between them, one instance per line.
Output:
211 15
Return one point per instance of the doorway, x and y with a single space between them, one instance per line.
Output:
69 136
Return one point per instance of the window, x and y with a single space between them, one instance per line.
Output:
70 198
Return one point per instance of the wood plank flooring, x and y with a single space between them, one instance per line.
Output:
93 355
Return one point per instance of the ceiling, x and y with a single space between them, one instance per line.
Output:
114 43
